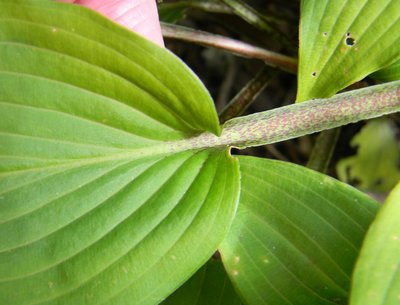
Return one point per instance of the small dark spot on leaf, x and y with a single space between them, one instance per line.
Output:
348 34
324 33
314 73
350 41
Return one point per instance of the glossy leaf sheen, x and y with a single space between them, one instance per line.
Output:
208 286
296 235
343 41
98 203
376 279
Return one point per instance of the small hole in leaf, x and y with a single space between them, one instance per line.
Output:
350 41
314 74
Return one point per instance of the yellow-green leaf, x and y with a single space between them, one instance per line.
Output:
102 198
376 279
343 41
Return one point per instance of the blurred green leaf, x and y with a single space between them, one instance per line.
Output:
296 235
375 167
388 74
343 41
102 199
208 286
376 279
172 12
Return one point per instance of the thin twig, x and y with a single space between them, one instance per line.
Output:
323 149
211 7
250 15
247 95
227 83
275 152
270 58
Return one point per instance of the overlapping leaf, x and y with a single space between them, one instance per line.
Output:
391 73
208 286
343 41
296 235
101 200
376 279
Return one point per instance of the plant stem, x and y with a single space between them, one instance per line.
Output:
247 95
322 152
237 47
250 15
211 7
227 83
207 6
300 119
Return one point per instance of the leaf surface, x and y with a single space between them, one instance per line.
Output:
102 200
208 286
343 41
376 279
388 74
172 12
296 235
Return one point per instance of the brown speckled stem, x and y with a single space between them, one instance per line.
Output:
300 119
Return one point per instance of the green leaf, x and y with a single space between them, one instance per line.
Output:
391 73
296 235
139 74
376 279
103 197
171 12
375 167
343 41
208 286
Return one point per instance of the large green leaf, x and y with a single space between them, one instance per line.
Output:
296 235
138 74
343 41
376 279
375 167
208 286
102 201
